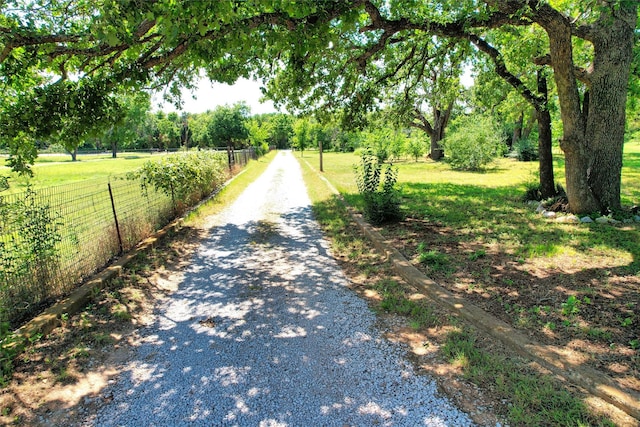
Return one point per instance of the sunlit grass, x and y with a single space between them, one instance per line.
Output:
228 194
51 170
487 207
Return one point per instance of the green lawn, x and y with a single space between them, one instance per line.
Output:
50 170
561 283
506 177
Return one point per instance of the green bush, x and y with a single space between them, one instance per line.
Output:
381 199
29 255
184 176
473 143
526 150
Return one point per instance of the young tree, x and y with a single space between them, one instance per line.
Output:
259 134
281 130
302 134
415 146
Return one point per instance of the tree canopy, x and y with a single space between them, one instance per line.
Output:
62 60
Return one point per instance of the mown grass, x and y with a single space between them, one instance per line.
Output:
50 170
487 207
529 397
230 192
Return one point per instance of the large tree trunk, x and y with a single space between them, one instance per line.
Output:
574 142
440 122
545 156
613 54
436 152
435 131
593 137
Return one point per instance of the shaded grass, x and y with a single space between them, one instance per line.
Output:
530 397
486 208
535 399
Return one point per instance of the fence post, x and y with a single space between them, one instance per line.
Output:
115 218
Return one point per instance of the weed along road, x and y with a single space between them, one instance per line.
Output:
264 331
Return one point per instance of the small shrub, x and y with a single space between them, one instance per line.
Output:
474 143
184 176
29 259
381 199
526 150
532 192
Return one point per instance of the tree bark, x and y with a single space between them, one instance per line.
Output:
613 53
545 156
593 136
436 131
574 142
526 130
517 130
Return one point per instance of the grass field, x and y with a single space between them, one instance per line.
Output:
529 396
571 285
54 169
507 175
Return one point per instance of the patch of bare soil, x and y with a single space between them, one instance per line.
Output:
60 379
584 305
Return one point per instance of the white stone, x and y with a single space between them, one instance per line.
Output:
602 220
540 208
548 214
586 219
569 219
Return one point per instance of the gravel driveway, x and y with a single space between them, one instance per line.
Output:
263 331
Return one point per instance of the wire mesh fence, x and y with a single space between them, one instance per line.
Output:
52 238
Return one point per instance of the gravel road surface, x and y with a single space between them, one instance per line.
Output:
263 331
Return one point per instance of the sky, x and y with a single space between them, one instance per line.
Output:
209 95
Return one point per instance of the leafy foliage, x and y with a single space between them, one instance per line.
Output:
381 199
184 176
22 154
10 347
228 125
302 134
474 143
30 255
526 150
415 147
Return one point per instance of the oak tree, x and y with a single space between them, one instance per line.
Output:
64 58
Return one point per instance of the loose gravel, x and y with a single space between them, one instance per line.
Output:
263 331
